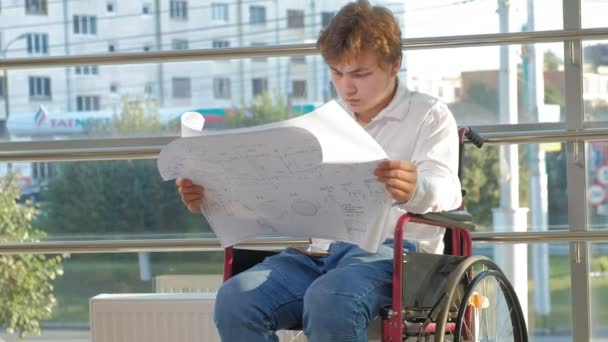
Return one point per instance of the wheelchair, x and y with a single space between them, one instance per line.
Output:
453 297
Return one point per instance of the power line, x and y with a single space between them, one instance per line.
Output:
205 28
112 16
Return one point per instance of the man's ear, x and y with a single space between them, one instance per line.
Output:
396 66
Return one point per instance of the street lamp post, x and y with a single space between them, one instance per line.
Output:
5 74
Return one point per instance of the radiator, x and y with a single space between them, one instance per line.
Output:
158 317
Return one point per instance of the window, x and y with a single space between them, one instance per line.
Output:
295 18
221 88
298 59
179 44
36 7
219 44
37 43
181 87
2 86
150 88
146 9
219 11
85 24
258 59
86 103
40 87
299 88
110 7
42 171
326 17
257 15
114 87
86 70
178 9
260 85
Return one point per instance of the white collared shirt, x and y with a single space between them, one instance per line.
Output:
419 128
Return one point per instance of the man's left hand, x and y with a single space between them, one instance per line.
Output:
399 177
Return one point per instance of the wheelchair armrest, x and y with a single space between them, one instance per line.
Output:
453 219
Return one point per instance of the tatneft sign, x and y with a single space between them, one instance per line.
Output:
42 123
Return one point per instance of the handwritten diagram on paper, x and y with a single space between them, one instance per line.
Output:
310 176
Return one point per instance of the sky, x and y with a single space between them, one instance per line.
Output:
431 18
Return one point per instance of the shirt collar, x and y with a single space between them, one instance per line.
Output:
395 110
399 105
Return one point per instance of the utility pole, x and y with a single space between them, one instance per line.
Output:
68 70
160 75
538 172
509 217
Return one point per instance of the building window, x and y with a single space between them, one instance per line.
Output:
36 7
258 59
295 18
86 70
326 17
42 171
178 9
219 11
2 87
146 9
150 88
257 15
110 7
37 43
299 88
181 87
85 103
114 87
40 87
219 44
298 59
85 24
259 85
179 44
221 88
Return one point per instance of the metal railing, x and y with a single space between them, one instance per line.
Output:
212 244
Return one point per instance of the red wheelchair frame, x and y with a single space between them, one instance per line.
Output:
457 242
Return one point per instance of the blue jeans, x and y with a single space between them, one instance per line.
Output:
332 298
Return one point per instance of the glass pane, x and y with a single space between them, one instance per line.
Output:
595 80
471 82
267 21
597 184
542 285
599 288
102 200
591 16
540 176
152 96
87 275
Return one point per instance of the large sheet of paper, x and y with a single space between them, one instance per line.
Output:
307 177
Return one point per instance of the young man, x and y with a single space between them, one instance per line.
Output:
334 297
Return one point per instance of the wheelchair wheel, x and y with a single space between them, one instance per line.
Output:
483 306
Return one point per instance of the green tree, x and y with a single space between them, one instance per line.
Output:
480 93
117 197
551 61
26 289
264 109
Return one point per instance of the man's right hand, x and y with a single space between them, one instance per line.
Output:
192 195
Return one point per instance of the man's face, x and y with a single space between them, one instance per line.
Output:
365 86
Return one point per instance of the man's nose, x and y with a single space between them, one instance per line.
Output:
349 86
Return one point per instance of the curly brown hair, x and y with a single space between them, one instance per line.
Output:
359 27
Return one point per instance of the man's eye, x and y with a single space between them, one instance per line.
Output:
361 75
